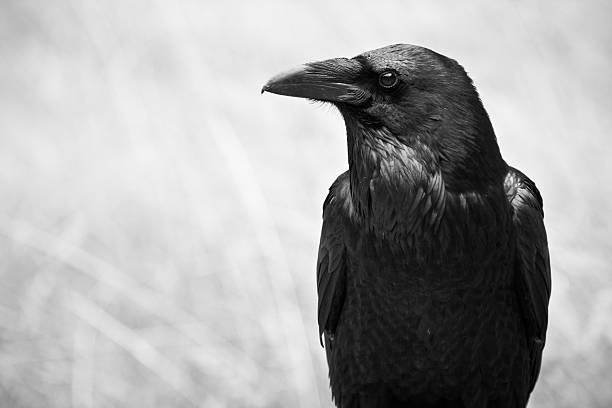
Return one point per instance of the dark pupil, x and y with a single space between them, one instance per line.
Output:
387 79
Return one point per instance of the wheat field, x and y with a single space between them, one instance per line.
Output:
159 217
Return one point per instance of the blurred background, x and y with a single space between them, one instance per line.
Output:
160 218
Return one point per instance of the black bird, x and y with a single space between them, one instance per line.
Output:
433 273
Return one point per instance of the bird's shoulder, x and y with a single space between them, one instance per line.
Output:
338 202
522 192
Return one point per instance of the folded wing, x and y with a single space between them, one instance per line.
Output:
532 278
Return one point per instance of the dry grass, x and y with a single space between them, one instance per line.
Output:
160 218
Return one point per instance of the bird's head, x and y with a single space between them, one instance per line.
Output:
410 95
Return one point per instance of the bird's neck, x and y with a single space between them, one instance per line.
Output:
399 194
465 144
395 188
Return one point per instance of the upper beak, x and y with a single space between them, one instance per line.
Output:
332 80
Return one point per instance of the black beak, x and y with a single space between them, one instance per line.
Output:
333 80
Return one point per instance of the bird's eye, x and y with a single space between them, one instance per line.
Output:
388 79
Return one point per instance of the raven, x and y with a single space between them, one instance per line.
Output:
433 273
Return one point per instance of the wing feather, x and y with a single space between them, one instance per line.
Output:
331 263
533 278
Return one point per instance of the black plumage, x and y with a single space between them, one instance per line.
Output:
433 273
